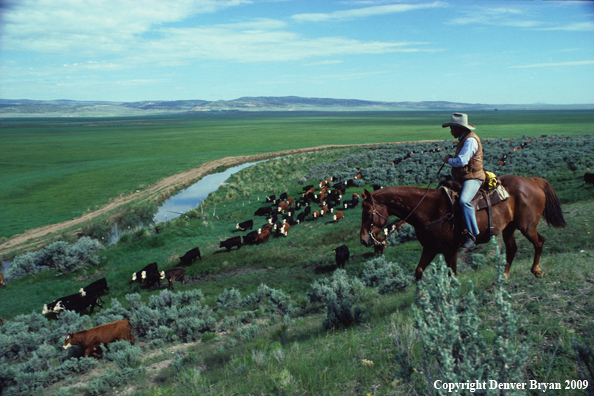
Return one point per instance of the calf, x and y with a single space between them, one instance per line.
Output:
263 211
271 198
342 255
190 257
231 242
149 274
245 225
98 287
589 178
175 273
266 227
323 211
338 215
105 334
250 238
379 248
301 217
307 210
316 215
263 237
283 207
285 229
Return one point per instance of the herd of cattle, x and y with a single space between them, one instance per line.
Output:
281 213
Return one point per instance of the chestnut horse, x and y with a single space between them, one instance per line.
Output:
439 231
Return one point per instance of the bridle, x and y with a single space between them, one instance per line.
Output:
373 213
401 222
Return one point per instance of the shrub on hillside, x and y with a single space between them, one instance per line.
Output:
62 256
172 316
388 276
454 347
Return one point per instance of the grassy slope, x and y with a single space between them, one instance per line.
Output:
55 169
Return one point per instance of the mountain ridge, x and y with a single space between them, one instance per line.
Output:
73 108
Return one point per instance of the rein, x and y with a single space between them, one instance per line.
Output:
401 222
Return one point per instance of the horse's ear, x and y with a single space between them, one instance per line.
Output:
366 194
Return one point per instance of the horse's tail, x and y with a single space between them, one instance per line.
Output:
552 213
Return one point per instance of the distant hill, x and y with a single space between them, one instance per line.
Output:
71 108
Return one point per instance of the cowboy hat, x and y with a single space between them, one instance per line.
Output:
459 120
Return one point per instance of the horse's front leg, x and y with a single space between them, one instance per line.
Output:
426 257
451 259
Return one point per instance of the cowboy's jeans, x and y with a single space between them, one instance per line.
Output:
469 190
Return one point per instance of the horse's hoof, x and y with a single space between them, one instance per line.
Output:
539 274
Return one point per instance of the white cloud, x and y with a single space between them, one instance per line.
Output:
574 27
512 17
363 12
555 64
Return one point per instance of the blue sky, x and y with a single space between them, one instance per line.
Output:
496 52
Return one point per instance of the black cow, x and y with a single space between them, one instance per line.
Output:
271 198
342 255
245 225
284 196
231 242
250 238
307 210
263 211
308 187
173 274
58 304
190 257
149 275
80 304
589 178
98 287
301 217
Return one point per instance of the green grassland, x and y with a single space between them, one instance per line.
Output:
53 170
555 312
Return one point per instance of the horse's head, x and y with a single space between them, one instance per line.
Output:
373 219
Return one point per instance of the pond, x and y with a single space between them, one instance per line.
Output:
192 196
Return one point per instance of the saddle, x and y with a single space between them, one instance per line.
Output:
491 193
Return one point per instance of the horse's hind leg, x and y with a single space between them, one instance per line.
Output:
511 248
538 242
426 257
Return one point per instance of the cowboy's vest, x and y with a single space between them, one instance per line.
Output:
474 168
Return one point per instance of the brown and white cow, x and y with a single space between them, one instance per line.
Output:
172 274
285 229
316 215
323 211
283 207
263 237
338 215
91 339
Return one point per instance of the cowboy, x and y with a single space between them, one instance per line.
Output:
467 168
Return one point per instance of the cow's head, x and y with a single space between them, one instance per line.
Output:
143 275
82 292
59 307
45 310
162 274
67 341
134 277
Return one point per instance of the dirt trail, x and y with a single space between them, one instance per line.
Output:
37 236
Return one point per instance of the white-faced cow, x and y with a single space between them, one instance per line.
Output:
245 225
149 275
98 287
173 274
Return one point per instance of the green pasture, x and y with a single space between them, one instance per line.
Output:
52 170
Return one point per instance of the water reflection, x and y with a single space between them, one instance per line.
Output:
191 197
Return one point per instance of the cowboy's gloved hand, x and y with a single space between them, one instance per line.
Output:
447 157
